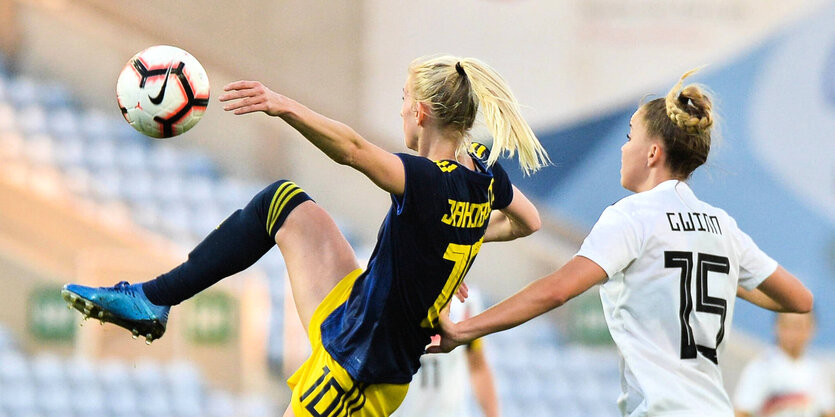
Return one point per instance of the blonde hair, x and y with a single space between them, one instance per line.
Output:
455 88
683 120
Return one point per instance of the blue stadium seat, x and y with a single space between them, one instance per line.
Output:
47 369
18 398
69 151
133 158
63 121
148 375
100 154
95 124
154 402
55 399
220 404
122 400
32 119
22 91
88 400
14 368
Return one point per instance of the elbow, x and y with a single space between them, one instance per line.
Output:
806 303
528 228
801 303
534 225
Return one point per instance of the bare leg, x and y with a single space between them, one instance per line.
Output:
317 256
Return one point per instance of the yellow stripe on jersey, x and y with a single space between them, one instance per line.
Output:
463 256
282 195
478 149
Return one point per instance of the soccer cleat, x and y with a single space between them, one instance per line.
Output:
123 304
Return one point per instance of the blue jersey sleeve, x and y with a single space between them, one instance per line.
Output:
422 182
502 188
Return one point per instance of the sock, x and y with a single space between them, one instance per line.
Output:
242 239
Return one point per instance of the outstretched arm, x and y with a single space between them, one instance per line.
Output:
781 292
337 140
541 296
518 219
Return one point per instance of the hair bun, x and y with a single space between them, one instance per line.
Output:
689 108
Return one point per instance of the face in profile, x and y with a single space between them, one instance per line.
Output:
634 169
794 331
408 112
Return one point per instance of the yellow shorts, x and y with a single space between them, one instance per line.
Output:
322 388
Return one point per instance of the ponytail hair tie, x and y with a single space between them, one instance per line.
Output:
460 69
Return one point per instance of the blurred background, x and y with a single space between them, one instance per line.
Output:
84 198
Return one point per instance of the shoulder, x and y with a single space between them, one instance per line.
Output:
632 206
422 165
481 152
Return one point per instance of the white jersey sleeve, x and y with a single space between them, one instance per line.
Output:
613 243
754 265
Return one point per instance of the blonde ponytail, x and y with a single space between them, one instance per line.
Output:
502 115
454 88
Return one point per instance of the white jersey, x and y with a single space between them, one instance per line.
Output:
440 388
674 264
775 385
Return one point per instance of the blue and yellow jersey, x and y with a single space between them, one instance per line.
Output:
425 246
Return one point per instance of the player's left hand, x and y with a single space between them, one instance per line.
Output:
251 96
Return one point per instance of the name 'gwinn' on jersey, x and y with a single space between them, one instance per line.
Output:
425 247
674 264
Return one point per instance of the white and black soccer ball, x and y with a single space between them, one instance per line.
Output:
163 91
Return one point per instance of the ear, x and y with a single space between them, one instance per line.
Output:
422 113
655 155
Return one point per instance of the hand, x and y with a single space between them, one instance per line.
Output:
449 339
463 292
251 96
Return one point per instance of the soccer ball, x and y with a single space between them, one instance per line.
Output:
163 91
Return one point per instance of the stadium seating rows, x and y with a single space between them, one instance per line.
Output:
49 385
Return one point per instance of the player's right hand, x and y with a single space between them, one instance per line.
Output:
449 339
251 96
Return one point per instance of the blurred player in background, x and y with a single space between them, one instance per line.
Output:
368 328
440 387
670 266
785 382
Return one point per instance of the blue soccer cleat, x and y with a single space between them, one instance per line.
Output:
123 304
